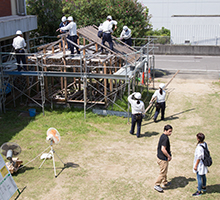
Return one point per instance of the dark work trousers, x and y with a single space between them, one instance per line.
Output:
127 41
133 123
107 37
20 58
158 107
74 39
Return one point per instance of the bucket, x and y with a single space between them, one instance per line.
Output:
32 112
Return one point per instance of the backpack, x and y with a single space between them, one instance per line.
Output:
207 161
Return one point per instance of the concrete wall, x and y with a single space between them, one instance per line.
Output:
186 50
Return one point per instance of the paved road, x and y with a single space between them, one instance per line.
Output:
190 66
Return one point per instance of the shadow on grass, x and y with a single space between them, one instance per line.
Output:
180 182
171 117
213 188
22 170
68 165
12 122
19 192
149 134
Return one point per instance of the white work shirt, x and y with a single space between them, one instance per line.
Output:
107 26
160 98
199 154
125 34
19 42
101 27
136 108
71 27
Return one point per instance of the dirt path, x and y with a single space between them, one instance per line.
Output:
120 166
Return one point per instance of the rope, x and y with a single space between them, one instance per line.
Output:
33 159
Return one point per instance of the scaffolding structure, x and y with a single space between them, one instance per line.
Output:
90 78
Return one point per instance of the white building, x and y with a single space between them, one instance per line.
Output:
195 29
162 10
190 21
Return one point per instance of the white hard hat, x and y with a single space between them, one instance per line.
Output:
18 32
70 18
63 19
109 17
162 85
137 95
125 28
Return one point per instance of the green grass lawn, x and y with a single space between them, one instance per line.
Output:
104 161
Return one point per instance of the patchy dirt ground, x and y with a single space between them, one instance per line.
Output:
118 165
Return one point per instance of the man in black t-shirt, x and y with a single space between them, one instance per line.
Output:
163 158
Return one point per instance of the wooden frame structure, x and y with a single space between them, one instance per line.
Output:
90 78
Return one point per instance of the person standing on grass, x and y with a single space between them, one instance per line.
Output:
198 166
160 94
163 158
137 110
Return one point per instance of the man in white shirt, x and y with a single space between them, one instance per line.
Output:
160 94
72 32
137 110
126 35
19 44
107 30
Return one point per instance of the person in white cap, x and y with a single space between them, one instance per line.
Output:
63 23
126 35
19 44
72 32
137 112
107 31
160 94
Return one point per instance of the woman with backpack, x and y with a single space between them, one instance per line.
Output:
198 165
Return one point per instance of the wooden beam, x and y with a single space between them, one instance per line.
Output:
86 46
105 83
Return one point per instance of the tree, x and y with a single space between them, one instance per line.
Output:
49 14
88 12
126 12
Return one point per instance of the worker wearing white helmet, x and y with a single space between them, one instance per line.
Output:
160 96
126 35
19 44
63 23
137 112
107 31
71 27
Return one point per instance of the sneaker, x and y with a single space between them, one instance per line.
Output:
158 188
197 193
204 189
166 185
